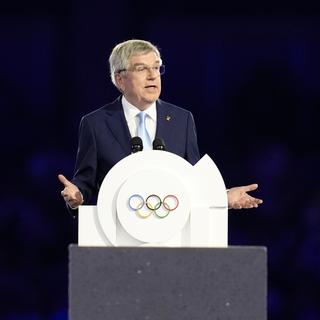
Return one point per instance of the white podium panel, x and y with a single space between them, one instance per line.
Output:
156 198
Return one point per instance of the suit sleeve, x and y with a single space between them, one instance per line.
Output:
192 149
85 174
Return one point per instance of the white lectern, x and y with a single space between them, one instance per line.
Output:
200 219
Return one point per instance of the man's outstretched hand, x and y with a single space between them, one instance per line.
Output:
71 194
238 198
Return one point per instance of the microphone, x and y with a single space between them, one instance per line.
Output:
136 144
158 144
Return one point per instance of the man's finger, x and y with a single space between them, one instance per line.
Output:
64 180
257 202
250 187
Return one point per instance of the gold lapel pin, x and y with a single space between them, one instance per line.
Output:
168 118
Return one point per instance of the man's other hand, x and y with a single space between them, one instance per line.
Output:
238 198
71 194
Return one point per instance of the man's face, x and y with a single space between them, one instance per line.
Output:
141 84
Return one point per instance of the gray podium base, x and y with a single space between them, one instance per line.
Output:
167 283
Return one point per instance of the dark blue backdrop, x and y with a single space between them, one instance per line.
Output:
250 75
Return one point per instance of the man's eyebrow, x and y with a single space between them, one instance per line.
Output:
143 64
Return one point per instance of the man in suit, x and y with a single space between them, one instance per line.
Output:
105 134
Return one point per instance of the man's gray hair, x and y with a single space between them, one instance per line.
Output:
122 52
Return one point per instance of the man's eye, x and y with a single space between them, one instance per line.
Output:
141 69
156 68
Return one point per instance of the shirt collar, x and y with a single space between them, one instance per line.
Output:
131 111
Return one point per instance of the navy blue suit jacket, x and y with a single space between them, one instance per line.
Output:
104 139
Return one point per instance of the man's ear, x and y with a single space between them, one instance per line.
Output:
119 81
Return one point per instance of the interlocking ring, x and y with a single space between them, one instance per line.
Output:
150 202
133 202
153 203
166 204
143 215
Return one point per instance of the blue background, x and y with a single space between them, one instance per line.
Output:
248 71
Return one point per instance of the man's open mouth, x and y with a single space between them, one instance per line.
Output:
151 86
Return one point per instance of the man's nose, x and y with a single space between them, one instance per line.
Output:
152 74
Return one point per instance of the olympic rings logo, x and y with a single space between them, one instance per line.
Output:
154 204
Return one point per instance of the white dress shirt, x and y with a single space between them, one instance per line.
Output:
130 113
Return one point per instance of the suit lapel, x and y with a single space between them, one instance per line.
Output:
116 121
164 124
